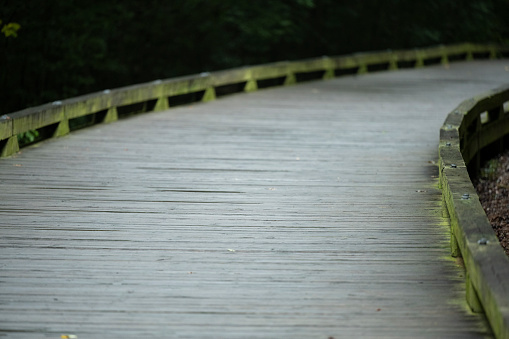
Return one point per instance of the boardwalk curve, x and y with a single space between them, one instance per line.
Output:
304 211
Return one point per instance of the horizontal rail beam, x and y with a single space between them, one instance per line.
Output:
157 95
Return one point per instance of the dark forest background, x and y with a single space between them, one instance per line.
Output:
66 48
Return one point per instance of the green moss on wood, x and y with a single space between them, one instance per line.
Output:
62 128
5 127
210 94
250 86
329 74
37 119
161 104
363 69
111 115
290 79
10 147
472 299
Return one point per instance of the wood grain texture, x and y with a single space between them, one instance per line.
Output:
309 211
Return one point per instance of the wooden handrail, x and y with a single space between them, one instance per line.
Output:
477 126
155 95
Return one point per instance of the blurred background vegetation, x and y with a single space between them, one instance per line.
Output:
65 48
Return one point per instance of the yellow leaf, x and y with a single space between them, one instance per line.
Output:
11 29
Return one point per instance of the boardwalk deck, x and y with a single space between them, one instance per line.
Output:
309 211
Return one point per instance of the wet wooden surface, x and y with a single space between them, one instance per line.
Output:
309 211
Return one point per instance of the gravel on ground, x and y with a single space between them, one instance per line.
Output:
493 190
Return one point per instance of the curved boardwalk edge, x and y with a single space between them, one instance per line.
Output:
60 117
476 128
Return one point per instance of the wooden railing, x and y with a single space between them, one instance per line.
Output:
477 129
60 117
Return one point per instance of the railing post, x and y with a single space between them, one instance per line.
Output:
393 63
445 60
11 147
470 55
62 128
290 79
111 115
455 248
328 66
329 74
493 116
161 104
419 60
251 86
363 69
493 53
210 94
472 297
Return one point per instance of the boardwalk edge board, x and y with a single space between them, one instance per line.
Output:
476 129
60 117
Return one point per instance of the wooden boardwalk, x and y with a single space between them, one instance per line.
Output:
309 211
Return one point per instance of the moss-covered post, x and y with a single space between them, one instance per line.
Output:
210 94
111 115
290 79
328 66
455 248
444 60
363 69
11 147
161 104
62 129
472 297
393 63
470 55
329 74
419 60
445 211
251 86
493 53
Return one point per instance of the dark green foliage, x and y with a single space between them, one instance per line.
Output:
27 137
71 47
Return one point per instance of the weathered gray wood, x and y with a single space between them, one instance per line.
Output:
486 263
309 211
